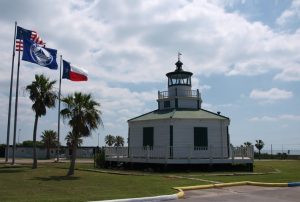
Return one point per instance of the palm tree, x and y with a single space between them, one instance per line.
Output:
70 138
247 144
119 141
43 96
259 145
110 140
49 139
83 117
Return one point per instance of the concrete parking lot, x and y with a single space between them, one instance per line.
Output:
245 194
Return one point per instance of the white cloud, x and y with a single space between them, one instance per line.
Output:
197 85
284 117
289 74
267 96
208 106
131 43
290 15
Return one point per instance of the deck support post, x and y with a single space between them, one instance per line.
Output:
130 154
210 154
190 153
250 167
148 153
232 153
252 154
117 150
166 154
243 151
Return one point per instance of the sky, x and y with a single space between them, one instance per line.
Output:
244 55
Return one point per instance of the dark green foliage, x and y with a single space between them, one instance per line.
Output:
2 150
247 144
259 145
110 140
29 143
100 158
119 141
42 94
83 117
276 156
49 139
70 138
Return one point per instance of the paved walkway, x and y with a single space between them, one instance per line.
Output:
245 194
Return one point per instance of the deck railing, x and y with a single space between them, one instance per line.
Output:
178 93
179 152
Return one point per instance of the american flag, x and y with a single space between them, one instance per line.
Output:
24 33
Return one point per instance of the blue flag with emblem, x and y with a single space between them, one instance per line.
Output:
32 52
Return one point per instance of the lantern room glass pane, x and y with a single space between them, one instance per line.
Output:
179 79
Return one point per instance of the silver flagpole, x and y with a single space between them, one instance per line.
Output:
58 121
10 95
16 111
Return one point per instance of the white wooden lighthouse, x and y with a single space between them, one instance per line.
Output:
180 131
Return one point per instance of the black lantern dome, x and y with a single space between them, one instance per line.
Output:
179 76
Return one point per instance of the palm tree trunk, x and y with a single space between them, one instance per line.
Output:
48 152
34 165
73 159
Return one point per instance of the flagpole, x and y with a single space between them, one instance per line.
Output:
58 121
10 95
16 110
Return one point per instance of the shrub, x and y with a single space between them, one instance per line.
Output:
100 158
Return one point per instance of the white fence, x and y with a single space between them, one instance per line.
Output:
179 152
27 152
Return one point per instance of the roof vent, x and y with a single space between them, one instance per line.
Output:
218 113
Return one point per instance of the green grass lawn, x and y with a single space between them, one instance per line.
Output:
49 182
271 171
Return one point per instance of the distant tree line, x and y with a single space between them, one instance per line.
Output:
116 141
259 144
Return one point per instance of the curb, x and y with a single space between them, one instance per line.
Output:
154 198
230 184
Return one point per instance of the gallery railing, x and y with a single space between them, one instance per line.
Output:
180 152
178 93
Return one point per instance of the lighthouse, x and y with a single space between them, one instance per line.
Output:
180 131
180 94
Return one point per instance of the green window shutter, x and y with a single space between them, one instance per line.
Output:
148 133
167 104
200 137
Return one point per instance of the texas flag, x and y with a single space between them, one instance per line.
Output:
74 73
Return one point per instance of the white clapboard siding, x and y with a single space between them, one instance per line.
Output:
183 136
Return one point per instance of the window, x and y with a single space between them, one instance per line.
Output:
167 104
148 133
200 138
